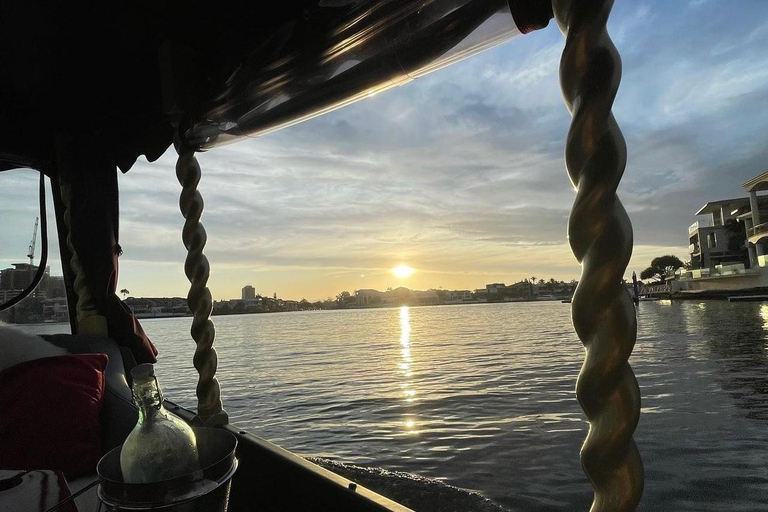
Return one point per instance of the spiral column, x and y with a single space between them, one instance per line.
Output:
197 269
600 235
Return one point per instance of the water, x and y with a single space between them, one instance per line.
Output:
481 397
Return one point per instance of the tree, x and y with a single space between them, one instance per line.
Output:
662 268
345 299
124 292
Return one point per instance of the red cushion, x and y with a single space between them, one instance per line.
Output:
49 413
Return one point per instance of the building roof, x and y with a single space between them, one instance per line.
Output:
759 182
728 204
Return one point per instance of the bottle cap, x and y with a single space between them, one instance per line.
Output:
143 372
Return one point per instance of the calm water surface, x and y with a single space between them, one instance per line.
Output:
481 396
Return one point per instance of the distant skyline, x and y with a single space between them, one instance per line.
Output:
459 174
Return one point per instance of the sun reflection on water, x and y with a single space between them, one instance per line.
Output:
764 316
405 366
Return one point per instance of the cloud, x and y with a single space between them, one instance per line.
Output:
460 173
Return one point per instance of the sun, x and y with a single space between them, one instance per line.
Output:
402 271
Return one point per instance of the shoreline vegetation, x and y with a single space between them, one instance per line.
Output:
188 314
522 291
40 310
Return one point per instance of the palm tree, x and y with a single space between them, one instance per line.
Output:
124 292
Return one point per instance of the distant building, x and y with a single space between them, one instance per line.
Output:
148 307
54 286
501 291
18 277
55 310
495 288
249 292
458 296
14 280
368 297
557 289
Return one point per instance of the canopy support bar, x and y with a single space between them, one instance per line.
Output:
209 407
600 234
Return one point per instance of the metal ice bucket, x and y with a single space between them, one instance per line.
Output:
205 490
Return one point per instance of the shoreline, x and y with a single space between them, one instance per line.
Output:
141 316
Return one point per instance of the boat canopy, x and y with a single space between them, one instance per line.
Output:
88 88
122 77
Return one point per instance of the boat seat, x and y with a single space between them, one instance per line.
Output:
118 414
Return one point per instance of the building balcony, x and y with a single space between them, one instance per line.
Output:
699 224
693 249
757 233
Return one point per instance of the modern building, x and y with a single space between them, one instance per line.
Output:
756 220
14 280
18 277
729 247
718 238
249 292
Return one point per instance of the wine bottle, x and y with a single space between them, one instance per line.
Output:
161 446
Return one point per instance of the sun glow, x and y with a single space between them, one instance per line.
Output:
402 271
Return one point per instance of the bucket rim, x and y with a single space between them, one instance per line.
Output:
189 477
219 468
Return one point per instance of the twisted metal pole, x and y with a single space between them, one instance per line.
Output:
600 235
209 407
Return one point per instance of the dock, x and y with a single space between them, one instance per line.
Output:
748 298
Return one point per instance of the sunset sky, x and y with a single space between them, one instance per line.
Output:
459 174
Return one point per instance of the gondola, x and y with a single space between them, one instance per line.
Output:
87 88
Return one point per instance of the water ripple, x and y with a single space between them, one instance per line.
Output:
482 397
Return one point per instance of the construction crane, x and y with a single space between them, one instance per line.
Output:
31 254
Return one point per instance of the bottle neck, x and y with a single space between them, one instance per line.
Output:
148 397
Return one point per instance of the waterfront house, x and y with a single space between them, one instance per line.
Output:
756 220
717 238
368 297
729 245
458 296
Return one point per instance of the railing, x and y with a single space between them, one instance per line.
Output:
655 289
699 224
758 230
719 270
